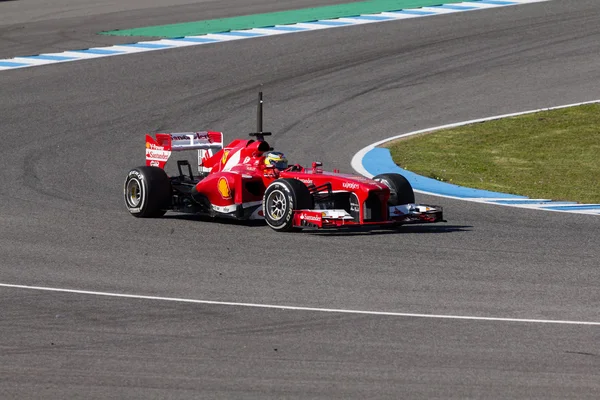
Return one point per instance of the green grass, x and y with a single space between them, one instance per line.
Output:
551 154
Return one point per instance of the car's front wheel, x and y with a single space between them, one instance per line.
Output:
281 198
401 192
147 192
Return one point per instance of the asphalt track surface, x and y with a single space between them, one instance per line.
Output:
70 132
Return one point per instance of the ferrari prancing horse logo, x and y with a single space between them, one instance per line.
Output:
224 158
223 188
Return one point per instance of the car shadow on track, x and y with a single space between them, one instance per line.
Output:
353 231
402 229
218 221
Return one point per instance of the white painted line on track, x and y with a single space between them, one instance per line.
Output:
299 308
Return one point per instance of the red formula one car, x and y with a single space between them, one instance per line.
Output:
248 180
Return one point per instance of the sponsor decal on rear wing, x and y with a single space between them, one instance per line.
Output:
160 147
193 140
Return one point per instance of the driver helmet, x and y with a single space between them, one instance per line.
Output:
276 159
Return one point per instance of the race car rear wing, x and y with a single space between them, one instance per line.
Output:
159 149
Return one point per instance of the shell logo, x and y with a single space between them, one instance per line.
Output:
225 154
223 188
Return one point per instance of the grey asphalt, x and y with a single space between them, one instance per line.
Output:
70 132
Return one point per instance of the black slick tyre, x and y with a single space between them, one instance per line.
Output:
147 192
401 192
281 198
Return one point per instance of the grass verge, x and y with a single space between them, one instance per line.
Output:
551 154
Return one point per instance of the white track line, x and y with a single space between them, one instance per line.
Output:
280 307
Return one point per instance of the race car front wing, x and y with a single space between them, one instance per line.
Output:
398 215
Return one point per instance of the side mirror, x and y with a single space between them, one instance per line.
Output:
315 167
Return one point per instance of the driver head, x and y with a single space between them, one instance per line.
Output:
276 159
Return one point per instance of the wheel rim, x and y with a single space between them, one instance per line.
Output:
134 193
393 193
276 205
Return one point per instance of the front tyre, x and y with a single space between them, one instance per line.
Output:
281 198
401 192
147 192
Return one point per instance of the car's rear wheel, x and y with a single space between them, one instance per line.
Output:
281 198
401 192
147 192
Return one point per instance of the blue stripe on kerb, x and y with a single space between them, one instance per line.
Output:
195 40
12 64
497 2
241 34
532 201
414 12
371 18
148 45
457 8
575 207
51 58
286 28
98 51
329 23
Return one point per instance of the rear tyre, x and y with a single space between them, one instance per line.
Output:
401 192
147 192
281 198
